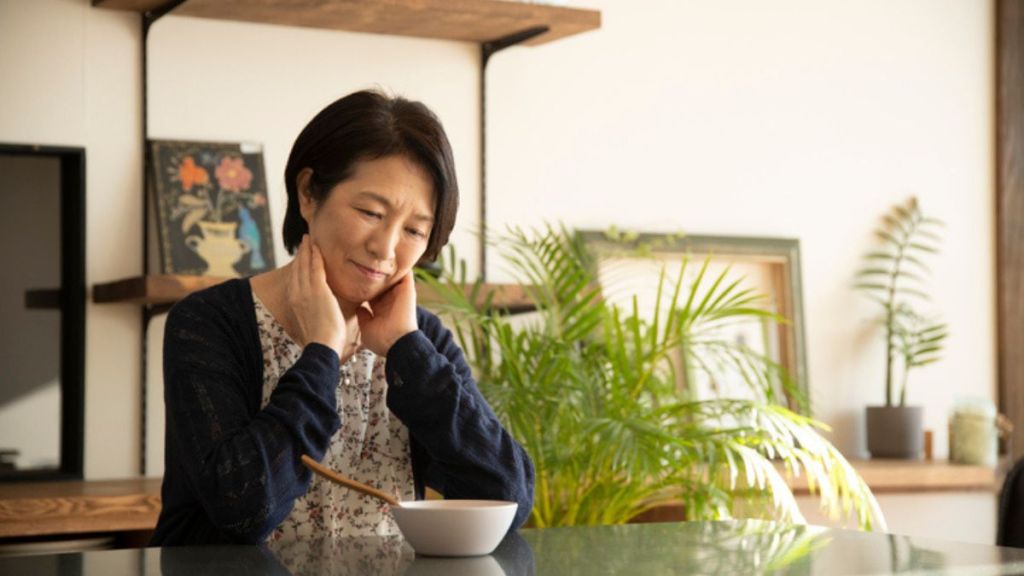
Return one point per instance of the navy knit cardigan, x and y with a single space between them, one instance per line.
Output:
232 470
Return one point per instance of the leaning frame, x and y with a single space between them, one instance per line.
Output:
781 255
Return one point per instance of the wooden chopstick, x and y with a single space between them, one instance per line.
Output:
348 482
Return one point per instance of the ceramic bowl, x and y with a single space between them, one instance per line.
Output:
454 527
470 566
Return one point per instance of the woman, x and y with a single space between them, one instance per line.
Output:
330 356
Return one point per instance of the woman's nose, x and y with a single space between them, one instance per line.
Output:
383 242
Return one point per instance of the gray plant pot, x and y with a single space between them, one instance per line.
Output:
895 431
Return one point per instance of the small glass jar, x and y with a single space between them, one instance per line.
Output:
973 435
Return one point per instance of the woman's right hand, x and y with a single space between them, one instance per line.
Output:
315 311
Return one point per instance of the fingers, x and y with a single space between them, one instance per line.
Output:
406 290
393 315
317 275
315 312
364 315
293 274
408 282
302 261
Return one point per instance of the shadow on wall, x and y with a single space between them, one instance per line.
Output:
30 332
30 251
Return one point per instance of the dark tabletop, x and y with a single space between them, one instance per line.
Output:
741 547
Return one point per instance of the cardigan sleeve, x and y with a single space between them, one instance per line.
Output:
241 463
432 391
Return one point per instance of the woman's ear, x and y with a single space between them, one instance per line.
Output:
307 205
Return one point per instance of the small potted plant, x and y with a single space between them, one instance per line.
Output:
894 277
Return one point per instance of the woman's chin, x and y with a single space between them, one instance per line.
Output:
356 296
356 290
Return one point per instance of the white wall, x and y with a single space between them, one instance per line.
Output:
69 76
794 118
962 516
797 118
232 81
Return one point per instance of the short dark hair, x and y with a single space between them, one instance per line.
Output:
368 125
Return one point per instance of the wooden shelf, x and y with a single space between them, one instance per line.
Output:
53 508
913 476
465 20
166 289
155 289
56 508
42 299
883 477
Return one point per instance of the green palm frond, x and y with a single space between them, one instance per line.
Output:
895 276
591 388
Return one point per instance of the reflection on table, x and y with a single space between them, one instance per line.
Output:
739 547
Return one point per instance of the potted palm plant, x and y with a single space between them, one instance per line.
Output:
894 277
590 389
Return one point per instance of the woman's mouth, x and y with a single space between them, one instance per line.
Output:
370 273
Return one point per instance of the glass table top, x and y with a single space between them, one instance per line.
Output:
735 547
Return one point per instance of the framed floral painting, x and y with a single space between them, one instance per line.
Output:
212 214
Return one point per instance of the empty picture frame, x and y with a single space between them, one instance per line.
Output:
770 266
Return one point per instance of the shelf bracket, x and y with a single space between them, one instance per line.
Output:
488 49
149 18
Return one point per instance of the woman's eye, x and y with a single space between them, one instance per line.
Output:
371 213
416 233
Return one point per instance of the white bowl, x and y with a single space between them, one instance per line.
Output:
471 566
454 527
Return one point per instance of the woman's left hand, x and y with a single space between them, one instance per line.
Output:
393 316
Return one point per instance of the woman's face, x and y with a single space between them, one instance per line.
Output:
373 227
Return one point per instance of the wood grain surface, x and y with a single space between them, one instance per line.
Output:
466 20
162 289
1010 215
53 508
914 476
67 508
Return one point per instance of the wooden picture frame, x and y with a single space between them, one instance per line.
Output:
771 266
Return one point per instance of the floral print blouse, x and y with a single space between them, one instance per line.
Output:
372 445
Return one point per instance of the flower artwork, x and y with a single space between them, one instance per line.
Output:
212 208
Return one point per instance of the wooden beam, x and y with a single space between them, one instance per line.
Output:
1010 215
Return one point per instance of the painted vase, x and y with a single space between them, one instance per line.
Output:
219 247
